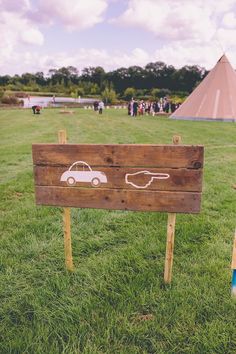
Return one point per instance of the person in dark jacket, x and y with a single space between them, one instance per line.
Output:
95 106
135 108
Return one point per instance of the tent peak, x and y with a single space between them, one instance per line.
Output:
223 59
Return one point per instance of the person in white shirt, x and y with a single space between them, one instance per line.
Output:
100 107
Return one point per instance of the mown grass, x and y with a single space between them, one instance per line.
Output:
115 301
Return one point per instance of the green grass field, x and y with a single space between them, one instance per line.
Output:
115 301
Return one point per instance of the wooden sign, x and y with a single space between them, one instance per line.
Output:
126 177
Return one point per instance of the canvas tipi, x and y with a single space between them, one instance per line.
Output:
214 98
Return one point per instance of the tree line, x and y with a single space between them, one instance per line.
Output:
156 79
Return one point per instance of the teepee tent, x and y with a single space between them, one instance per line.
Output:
214 98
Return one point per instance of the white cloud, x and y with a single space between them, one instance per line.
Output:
17 6
176 54
17 32
227 38
95 57
187 32
189 53
229 20
20 33
171 19
15 29
180 20
73 14
32 36
136 56
80 59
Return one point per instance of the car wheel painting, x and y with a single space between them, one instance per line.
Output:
70 181
95 182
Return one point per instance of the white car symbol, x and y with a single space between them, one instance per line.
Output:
80 171
151 177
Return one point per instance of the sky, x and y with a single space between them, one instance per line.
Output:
38 35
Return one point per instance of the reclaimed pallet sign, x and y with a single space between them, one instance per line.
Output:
163 178
126 177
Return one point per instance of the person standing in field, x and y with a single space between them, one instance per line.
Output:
131 107
100 107
135 108
95 106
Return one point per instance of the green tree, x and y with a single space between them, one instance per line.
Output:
1 93
80 91
129 93
109 95
155 93
39 78
94 89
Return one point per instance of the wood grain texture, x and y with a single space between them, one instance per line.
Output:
169 247
163 156
62 139
98 198
67 239
170 239
179 180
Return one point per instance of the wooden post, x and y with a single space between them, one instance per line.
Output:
170 234
66 218
169 247
233 267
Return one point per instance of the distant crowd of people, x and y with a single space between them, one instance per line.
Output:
163 105
141 107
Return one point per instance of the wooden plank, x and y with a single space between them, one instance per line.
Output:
179 180
163 156
143 200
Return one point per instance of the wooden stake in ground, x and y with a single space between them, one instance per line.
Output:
66 219
170 235
233 267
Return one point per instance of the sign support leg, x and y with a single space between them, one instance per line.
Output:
170 234
169 247
66 219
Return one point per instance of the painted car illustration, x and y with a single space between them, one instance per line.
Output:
80 171
143 178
